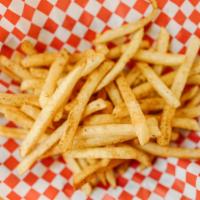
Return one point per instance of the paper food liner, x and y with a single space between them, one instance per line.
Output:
55 24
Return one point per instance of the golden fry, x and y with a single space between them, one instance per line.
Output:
134 109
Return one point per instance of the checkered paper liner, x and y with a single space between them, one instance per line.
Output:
55 24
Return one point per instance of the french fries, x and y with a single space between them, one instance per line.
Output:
124 30
177 88
15 68
118 152
86 108
19 118
135 112
82 100
54 74
158 85
60 96
87 188
125 57
177 152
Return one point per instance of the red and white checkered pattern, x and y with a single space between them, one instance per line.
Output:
55 24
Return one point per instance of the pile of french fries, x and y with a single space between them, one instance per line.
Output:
98 114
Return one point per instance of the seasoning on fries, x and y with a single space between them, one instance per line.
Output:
98 116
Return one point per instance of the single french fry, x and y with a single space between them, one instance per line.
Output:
159 85
14 133
110 176
124 29
82 99
60 96
106 129
190 112
39 72
177 152
28 48
162 46
98 141
113 94
39 60
15 68
134 109
110 152
30 111
54 74
31 84
87 188
186 123
177 88
189 94
194 80
18 99
40 149
18 117
125 57
158 58
95 106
